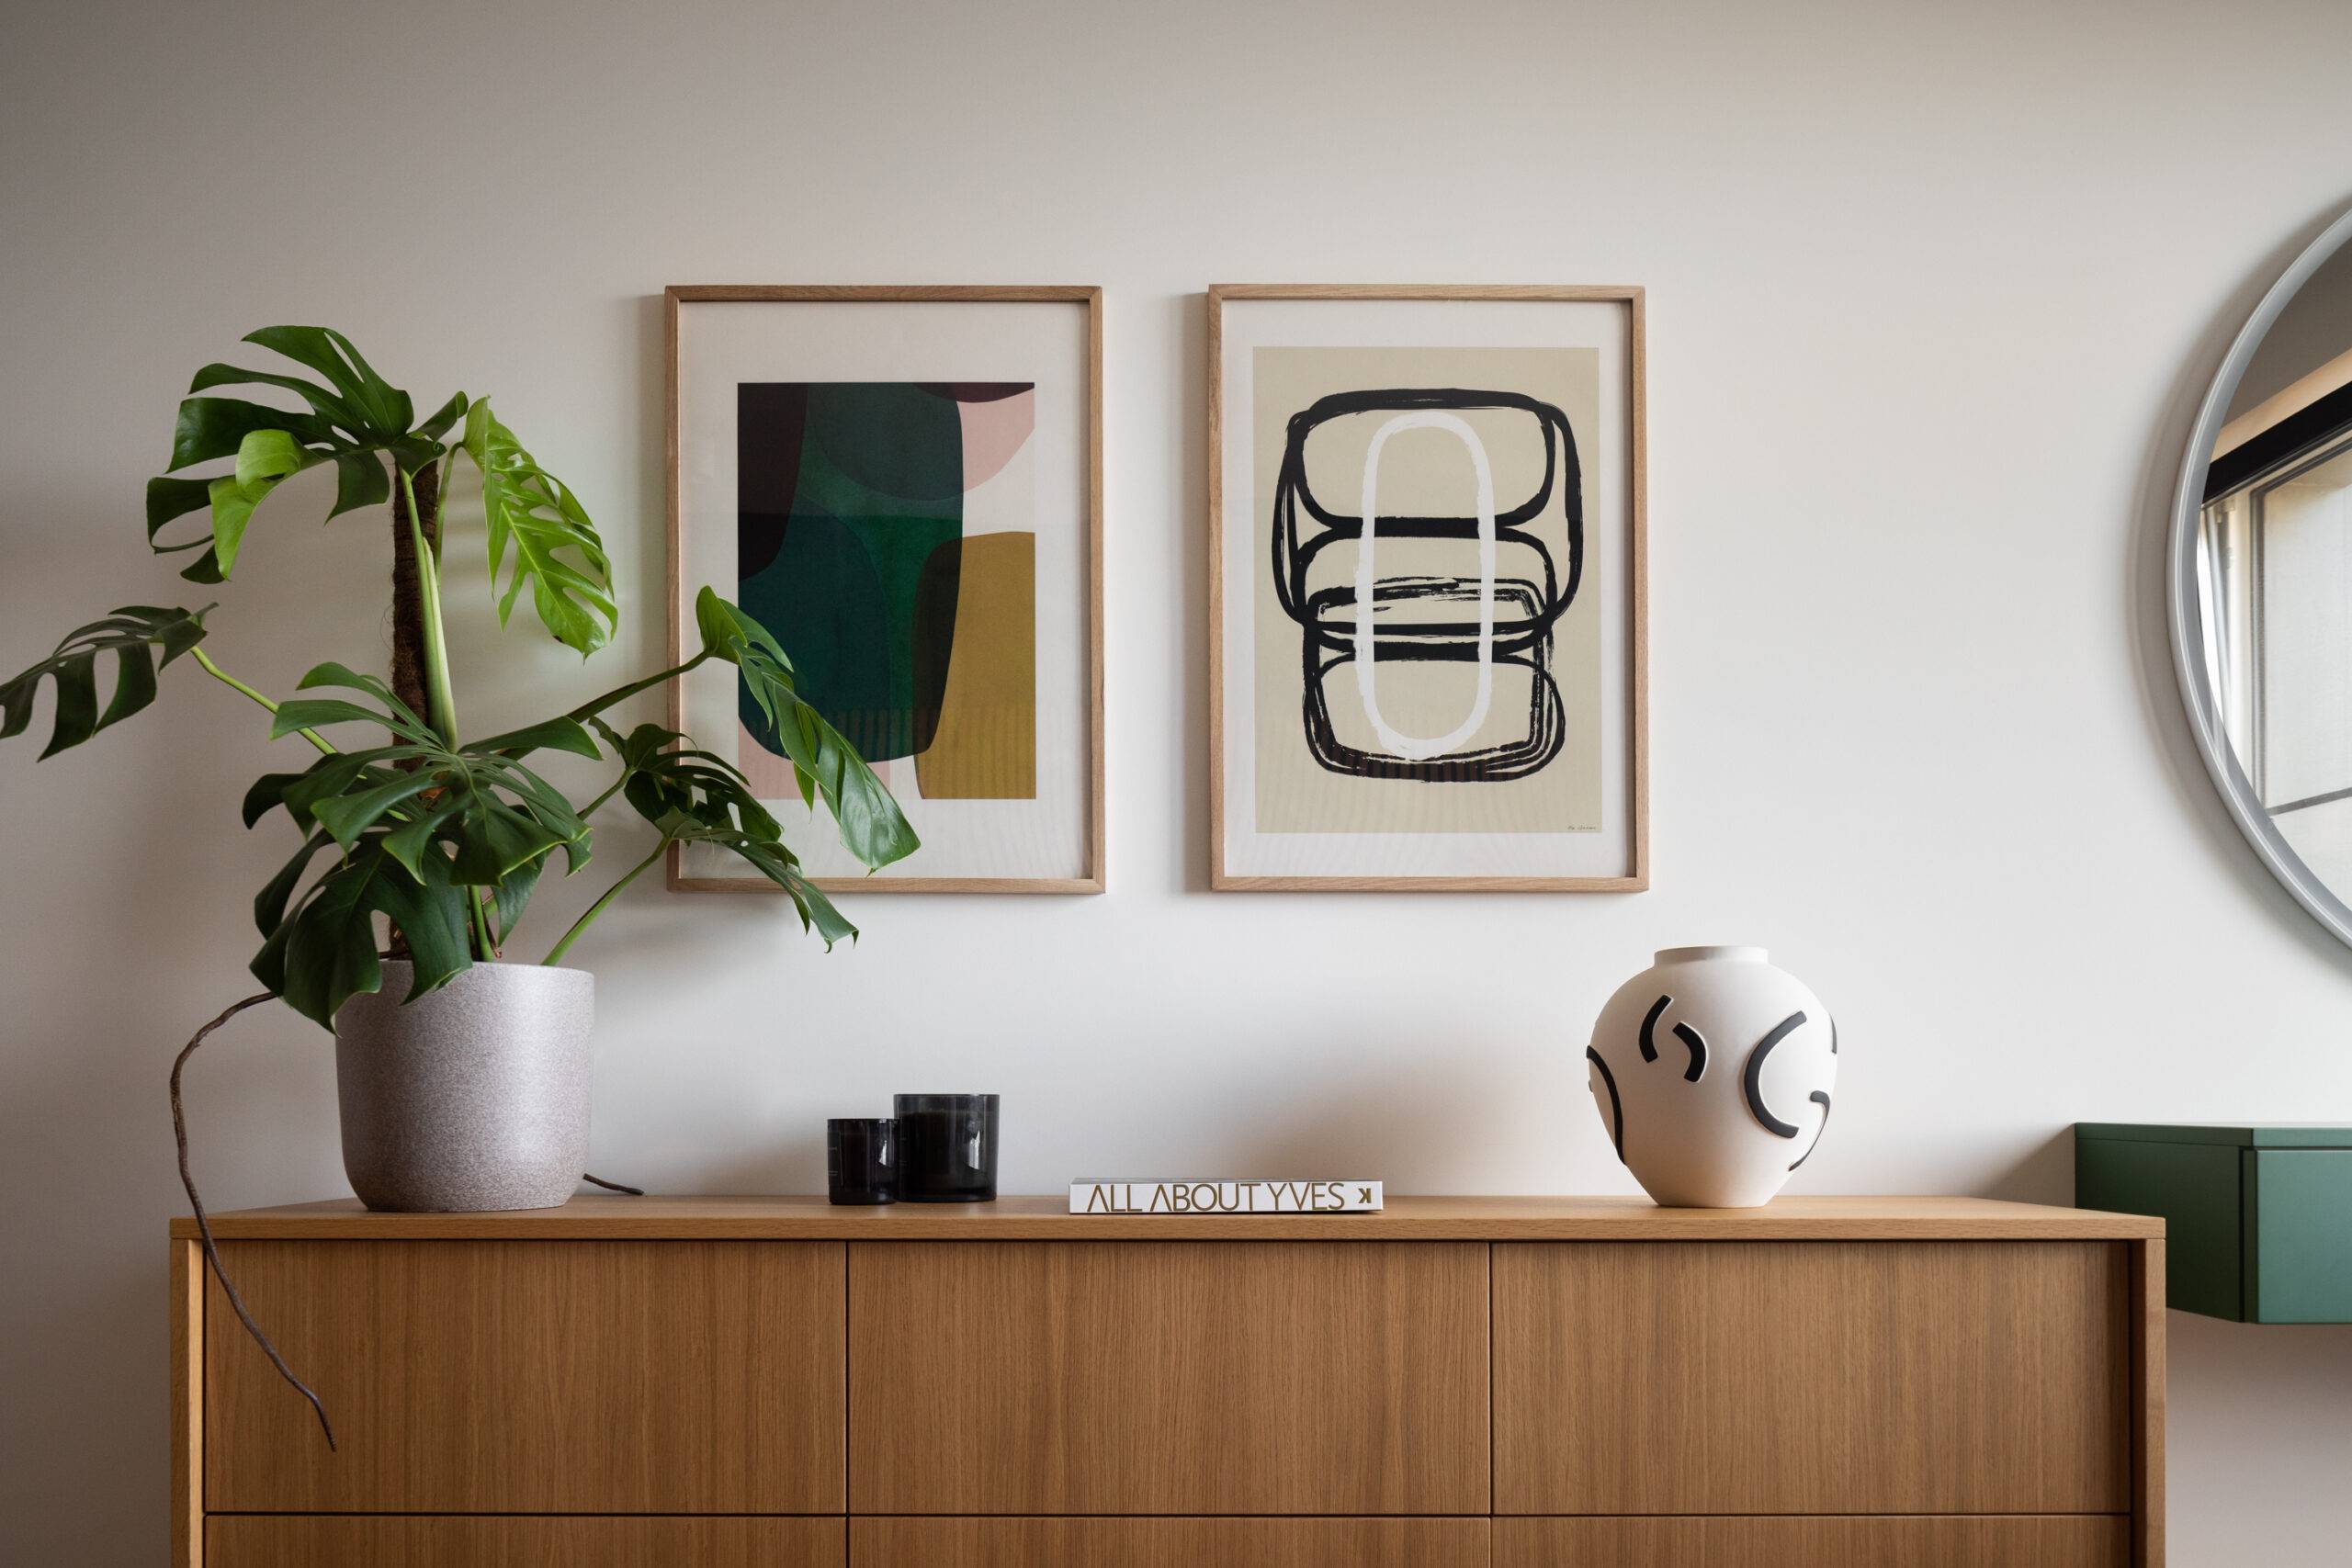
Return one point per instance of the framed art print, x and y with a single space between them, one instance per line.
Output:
904 486
1426 644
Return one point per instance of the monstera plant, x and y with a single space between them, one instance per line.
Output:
441 836
416 848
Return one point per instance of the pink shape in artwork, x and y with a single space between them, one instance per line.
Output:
770 775
993 431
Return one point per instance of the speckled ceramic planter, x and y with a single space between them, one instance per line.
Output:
475 1097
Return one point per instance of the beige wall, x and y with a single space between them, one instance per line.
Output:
1933 292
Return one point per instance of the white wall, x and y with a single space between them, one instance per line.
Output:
1933 292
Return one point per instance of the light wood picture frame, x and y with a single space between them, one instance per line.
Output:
1345 811
1051 840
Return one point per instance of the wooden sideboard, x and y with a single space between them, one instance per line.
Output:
759 1383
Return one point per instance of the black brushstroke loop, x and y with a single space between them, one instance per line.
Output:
1616 1106
1819 1097
1649 1028
1752 1079
1521 635
1698 1045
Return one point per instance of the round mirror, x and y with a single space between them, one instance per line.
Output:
2261 579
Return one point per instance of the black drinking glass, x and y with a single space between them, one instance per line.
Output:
862 1159
946 1148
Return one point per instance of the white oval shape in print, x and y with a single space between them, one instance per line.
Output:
1419 749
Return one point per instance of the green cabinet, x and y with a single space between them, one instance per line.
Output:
2257 1218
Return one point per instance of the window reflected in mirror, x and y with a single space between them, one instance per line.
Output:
2275 578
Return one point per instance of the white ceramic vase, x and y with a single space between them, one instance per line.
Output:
1711 1071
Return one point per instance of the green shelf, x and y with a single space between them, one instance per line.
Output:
2258 1215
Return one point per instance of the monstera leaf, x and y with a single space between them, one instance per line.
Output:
421 829
135 635
555 548
323 951
693 797
872 827
355 421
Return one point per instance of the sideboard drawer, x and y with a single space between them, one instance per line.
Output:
286 1541
2051 1540
1169 1377
558 1377
1167 1544
1811 1376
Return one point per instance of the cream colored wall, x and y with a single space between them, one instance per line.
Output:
1933 292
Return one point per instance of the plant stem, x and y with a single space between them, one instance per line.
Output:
408 605
583 812
233 683
595 705
482 928
597 909
442 702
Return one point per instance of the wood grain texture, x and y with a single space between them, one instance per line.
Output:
347 1541
886 293
603 1217
2147 1310
1597 292
2059 1541
188 1404
1636 878
840 885
1118 1378
532 1377
1167 1544
1095 875
1816 1377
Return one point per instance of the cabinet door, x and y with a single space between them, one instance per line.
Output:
1811 1376
1168 1377
287 1541
2059 1540
1167 1544
665 1376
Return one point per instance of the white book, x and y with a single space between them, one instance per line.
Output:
1222 1195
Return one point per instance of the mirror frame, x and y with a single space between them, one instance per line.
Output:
2180 592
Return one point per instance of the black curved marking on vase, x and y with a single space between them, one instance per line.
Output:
1819 1097
1698 1043
1833 1043
1649 1028
1752 1080
1616 1106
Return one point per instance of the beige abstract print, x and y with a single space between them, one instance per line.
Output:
1442 675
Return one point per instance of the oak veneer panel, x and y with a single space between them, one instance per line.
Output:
531 1376
188 1404
2148 1404
287 1541
601 1217
1169 1377
1167 1544
1979 1541
1812 1377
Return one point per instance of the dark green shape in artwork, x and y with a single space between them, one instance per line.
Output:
877 489
895 442
821 587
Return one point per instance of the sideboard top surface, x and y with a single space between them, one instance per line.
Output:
616 1218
